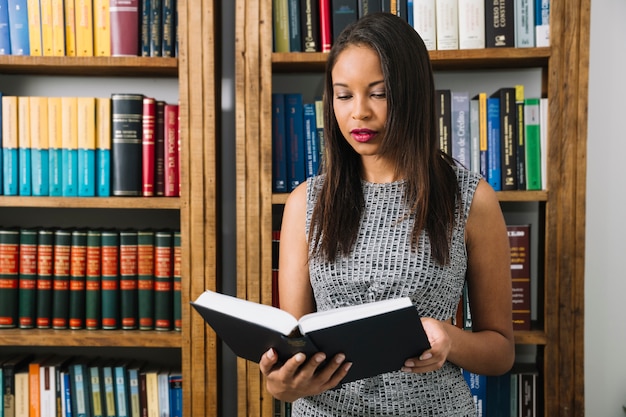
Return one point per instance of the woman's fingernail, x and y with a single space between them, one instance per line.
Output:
299 357
426 356
340 358
270 353
409 364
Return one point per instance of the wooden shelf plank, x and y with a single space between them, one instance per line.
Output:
126 66
90 338
140 203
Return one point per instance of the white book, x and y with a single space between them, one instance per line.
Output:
460 110
447 17
472 24
542 23
524 23
425 22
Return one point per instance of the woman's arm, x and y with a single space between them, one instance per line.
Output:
490 348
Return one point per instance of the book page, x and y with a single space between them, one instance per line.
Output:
328 318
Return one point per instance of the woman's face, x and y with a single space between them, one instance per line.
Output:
360 98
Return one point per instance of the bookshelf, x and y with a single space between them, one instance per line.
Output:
193 72
557 332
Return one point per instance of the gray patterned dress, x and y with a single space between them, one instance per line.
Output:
382 266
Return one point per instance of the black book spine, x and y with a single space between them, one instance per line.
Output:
309 25
343 13
126 152
499 23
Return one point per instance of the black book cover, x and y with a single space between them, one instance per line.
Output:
343 13
374 344
309 26
126 151
499 23
508 137
443 111
369 6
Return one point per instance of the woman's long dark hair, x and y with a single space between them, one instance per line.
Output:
410 141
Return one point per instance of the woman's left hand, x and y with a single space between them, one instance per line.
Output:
440 345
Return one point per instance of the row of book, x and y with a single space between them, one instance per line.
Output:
74 386
90 279
502 136
313 25
123 145
88 28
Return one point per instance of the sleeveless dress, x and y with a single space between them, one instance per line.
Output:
382 266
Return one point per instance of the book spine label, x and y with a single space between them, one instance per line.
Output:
508 138
521 137
93 295
295 33
9 275
281 25
444 120
148 146
524 23
27 299
45 253
310 140
145 28
124 17
172 148
128 280
78 271
110 280
460 127
177 282
61 279
145 279
103 146
126 116
163 280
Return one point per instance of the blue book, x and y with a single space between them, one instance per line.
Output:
295 33
86 153
121 390
176 394
67 394
478 387
24 148
133 389
10 170
18 27
494 162
5 37
460 109
79 388
311 141
409 12
294 128
55 148
279 151
499 395
103 146
40 159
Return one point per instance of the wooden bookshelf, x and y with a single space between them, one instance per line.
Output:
558 332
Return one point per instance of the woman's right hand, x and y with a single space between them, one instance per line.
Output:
299 377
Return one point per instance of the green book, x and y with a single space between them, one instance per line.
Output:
45 252
177 282
61 278
128 279
110 279
9 249
27 287
163 280
533 143
145 279
93 296
78 267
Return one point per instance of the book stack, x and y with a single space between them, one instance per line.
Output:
312 25
90 279
51 385
125 145
88 28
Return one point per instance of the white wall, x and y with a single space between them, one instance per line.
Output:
605 274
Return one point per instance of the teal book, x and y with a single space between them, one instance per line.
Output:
9 145
24 146
87 170
120 376
86 153
55 147
311 141
494 161
39 142
79 388
69 175
103 146
18 27
69 141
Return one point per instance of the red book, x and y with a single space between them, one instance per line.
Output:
171 174
148 146
326 31
519 239
124 15
159 149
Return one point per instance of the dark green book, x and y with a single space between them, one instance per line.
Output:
27 287
128 279
61 278
9 249
163 280
145 279
177 282
93 295
78 271
45 252
110 279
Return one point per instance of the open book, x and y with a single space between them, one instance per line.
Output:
376 337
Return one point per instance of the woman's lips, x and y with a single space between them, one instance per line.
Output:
363 135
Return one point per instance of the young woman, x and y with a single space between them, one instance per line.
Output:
391 216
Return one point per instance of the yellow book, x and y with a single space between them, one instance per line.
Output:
83 13
23 141
55 143
86 146
70 27
46 27
34 27
101 28
69 154
10 145
58 27
39 145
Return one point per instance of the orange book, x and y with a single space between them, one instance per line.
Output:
34 403
70 27
101 28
